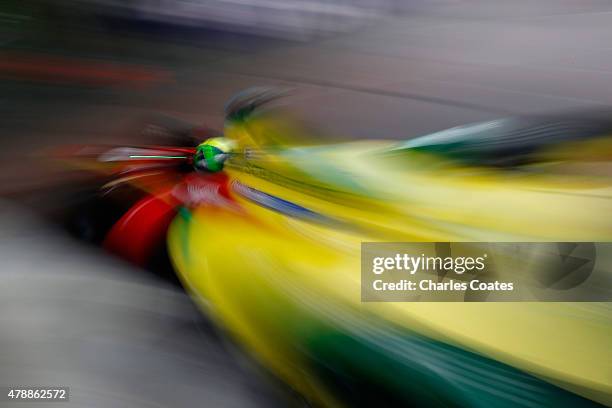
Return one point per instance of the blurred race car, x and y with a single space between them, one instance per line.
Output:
264 230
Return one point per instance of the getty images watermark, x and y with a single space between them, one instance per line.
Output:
492 272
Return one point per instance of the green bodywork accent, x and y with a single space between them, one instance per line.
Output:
394 367
185 217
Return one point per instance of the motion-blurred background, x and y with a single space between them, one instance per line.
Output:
89 71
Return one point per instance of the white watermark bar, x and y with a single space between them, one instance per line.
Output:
23 393
486 271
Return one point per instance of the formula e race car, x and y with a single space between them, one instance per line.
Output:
264 230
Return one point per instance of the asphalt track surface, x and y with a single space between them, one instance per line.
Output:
70 315
118 337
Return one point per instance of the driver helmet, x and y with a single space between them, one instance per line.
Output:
211 154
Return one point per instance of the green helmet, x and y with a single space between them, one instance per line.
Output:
212 153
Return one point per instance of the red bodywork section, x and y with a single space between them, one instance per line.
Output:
141 229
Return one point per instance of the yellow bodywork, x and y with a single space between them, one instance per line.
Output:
273 280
